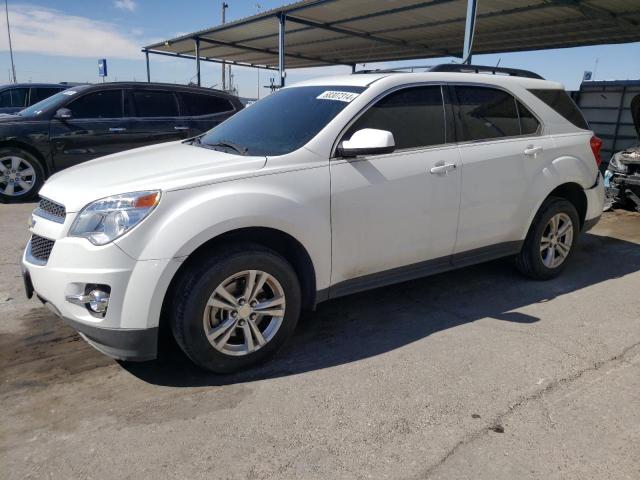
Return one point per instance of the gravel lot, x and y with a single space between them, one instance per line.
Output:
474 374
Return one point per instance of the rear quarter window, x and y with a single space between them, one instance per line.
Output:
561 102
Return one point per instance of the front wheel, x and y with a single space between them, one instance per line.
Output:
550 241
236 309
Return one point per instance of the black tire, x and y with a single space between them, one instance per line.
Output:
21 196
197 284
529 261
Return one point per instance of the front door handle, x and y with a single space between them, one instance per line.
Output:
532 151
178 127
117 129
441 168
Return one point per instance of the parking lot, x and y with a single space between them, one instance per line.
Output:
478 373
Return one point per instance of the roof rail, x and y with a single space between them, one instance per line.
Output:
464 68
395 69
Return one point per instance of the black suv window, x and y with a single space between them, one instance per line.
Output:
153 103
40 93
561 102
485 113
197 104
105 104
414 115
14 97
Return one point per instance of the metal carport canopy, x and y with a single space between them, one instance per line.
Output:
330 32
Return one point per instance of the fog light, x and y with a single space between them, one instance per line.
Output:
98 301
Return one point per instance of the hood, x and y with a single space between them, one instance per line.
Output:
167 166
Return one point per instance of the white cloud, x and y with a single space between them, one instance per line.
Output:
47 31
129 5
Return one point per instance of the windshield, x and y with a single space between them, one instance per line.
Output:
46 104
282 122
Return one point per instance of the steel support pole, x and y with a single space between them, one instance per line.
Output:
469 30
146 54
281 65
197 42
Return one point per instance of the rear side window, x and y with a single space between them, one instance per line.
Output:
41 93
106 104
14 97
197 104
485 113
528 123
151 103
561 102
415 116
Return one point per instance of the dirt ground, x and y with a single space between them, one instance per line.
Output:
473 374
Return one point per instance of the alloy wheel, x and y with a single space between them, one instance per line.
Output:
17 176
557 240
244 312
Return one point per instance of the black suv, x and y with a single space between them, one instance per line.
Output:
90 121
17 96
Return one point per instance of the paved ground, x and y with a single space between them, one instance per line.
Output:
474 374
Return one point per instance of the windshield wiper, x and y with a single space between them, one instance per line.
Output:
228 144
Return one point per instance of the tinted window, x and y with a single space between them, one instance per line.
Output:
41 93
486 113
415 116
283 121
197 104
528 123
561 102
14 97
107 104
155 104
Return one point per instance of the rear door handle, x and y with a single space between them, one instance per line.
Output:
442 168
177 127
532 151
117 129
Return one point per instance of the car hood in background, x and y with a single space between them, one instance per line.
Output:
168 166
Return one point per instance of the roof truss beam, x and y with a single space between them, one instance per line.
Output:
364 35
595 12
206 59
269 51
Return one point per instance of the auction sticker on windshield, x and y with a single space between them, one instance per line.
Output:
339 96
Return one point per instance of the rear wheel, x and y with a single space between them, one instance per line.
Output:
21 175
236 309
550 241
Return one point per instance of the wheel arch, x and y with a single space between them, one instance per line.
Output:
277 240
570 191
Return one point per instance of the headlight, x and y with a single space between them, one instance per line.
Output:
105 220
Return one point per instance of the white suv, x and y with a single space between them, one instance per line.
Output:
322 189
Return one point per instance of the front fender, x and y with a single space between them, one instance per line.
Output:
295 202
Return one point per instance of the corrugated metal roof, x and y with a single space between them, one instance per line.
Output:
326 32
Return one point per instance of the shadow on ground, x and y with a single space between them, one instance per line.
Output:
372 323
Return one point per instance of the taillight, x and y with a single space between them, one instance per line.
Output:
596 145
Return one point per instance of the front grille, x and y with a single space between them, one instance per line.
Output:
52 209
41 248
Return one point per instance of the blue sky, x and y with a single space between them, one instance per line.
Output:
61 40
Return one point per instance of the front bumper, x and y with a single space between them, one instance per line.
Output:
129 328
136 345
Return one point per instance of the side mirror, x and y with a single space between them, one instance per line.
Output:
368 141
63 113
